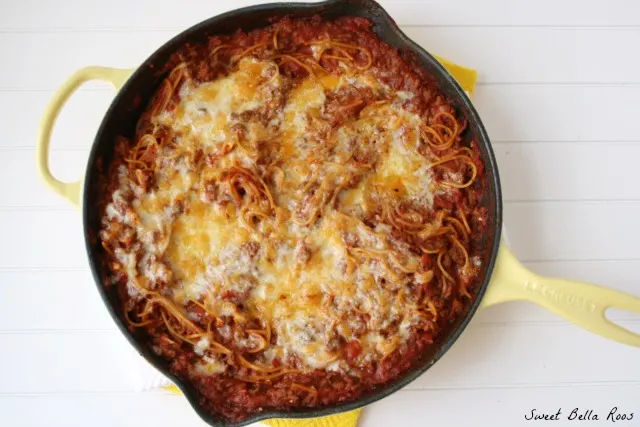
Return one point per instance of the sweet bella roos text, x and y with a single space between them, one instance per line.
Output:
578 414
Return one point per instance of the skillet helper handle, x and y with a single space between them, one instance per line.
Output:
580 303
69 190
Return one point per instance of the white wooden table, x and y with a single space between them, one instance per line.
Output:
559 93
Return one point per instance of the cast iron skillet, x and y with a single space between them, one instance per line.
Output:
581 303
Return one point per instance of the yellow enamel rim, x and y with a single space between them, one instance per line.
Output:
580 303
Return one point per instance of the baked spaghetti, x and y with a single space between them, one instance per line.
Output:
296 218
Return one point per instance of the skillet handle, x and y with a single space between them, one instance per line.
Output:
69 190
580 303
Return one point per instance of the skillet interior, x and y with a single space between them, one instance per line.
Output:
129 103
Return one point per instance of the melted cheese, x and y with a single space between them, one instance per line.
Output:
400 172
206 112
198 237
304 280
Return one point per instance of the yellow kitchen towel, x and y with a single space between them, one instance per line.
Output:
467 78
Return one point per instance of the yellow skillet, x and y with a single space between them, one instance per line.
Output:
580 303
